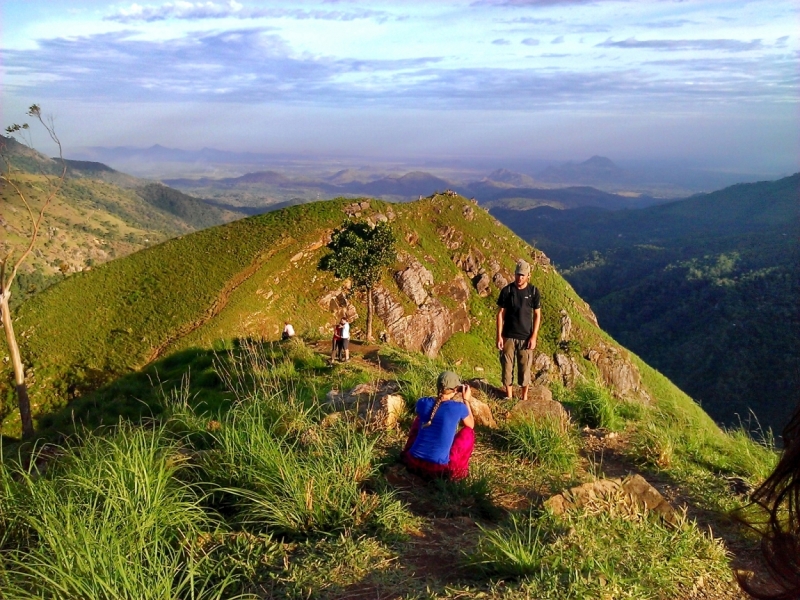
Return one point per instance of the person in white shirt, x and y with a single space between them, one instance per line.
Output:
288 331
344 341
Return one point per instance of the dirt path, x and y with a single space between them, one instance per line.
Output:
435 554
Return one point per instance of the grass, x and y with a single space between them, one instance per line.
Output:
550 442
97 326
585 555
268 497
109 519
592 405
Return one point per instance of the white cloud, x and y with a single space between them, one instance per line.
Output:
195 11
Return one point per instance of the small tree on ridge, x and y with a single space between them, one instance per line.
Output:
9 265
361 252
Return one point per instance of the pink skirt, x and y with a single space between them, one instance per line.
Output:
460 453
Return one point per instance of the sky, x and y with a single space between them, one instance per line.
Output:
713 81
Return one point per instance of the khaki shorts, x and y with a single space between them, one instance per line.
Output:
516 349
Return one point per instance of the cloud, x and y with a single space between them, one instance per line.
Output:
500 42
523 3
680 45
530 42
781 41
530 21
195 11
558 40
668 23
256 65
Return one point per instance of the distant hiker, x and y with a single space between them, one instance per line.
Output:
518 318
344 339
288 331
436 447
337 335
778 524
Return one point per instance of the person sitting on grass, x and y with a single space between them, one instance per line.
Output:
436 447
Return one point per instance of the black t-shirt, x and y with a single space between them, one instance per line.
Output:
519 305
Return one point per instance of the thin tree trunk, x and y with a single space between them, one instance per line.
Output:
19 370
369 314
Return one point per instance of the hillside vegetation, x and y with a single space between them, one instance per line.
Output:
247 480
100 214
704 289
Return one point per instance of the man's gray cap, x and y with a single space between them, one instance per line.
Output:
523 268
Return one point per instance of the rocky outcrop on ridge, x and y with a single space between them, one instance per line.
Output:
539 405
338 302
377 404
619 373
426 330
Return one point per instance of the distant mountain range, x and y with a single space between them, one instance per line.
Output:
500 188
598 169
661 178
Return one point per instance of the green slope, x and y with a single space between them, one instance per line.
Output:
242 280
99 214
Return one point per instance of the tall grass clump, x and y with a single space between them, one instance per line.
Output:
294 482
108 519
594 406
597 554
549 441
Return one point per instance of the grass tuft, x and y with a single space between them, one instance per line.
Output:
549 441
583 555
108 519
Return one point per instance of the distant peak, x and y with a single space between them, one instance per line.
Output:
600 161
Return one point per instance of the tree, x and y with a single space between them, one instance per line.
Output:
361 252
9 266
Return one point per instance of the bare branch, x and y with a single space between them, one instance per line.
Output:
54 186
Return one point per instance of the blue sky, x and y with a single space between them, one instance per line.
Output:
714 81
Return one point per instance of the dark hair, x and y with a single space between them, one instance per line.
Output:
779 496
439 400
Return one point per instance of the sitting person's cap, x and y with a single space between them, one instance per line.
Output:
523 268
447 381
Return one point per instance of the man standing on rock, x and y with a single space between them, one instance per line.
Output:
518 320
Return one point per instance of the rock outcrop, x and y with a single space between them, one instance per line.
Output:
426 330
539 405
540 370
566 326
623 497
568 369
619 373
414 281
338 303
378 404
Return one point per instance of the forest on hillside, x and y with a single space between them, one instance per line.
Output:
704 289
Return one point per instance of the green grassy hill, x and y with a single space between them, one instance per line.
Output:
705 289
243 481
100 214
